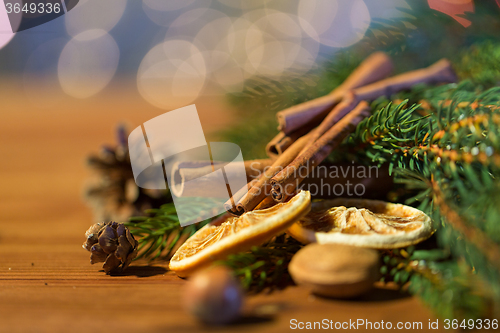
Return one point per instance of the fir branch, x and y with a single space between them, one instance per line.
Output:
475 236
448 287
380 136
456 146
160 233
455 293
451 149
442 155
266 266
389 123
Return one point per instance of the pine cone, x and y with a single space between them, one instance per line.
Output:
111 243
112 192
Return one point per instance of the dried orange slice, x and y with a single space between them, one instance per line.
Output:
364 223
236 234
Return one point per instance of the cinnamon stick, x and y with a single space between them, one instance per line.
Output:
439 72
376 67
373 184
202 171
230 205
261 188
282 141
278 145
338 112
286 181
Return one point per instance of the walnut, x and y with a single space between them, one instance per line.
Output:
335 270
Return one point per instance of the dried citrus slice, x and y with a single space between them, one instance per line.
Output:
364 223
214 242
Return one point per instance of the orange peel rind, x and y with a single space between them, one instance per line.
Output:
363 223
237 234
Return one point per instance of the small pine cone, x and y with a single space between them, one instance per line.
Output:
111 243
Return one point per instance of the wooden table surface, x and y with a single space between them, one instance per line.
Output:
46 281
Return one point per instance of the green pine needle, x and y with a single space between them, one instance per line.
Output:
264 266
159 232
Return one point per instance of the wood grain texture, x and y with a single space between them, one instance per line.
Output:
46 281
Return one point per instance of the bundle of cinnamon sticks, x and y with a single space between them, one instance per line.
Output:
310 131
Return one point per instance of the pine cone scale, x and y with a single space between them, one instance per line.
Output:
107 239
123 248
111 243
130 238
111 263
131 256
97 254
120 230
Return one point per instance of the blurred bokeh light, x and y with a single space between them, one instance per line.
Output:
175 51
334 23
172 74
94 15
88 63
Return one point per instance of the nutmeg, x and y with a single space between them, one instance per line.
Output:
335 270
213 296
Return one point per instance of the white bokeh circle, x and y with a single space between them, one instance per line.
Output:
87 64
260 42
96 15
334 23
230 76
172 74
285 45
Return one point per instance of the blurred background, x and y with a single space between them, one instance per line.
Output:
172 52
